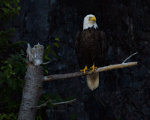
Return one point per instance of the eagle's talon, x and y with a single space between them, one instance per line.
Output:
93 67
84 70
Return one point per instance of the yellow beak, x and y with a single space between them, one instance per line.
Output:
93 19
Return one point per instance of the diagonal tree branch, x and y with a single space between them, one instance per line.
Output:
78 74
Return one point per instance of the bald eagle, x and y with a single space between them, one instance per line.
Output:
90 47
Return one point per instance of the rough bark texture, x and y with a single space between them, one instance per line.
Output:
32 87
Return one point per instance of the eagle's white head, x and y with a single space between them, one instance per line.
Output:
89 22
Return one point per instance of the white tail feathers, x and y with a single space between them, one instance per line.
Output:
93 80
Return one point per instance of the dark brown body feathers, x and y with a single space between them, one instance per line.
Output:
91 47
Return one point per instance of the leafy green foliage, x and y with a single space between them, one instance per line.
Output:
12 71
12 66
46 53
56 44
49 51
39 117
10 116
57 39
8 8
11 81
5 40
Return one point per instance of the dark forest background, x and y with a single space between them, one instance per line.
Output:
122 94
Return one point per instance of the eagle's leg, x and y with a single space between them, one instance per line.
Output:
93 67
84 70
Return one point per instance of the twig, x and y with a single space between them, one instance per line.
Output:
48 62
58 103
45 63
130 57
100 69
65 102
42 105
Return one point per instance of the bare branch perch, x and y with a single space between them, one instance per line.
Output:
100 69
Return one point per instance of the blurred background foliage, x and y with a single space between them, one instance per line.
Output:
12 62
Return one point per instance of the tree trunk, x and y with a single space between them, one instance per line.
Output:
33 84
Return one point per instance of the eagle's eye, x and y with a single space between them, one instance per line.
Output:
93 19
90 18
